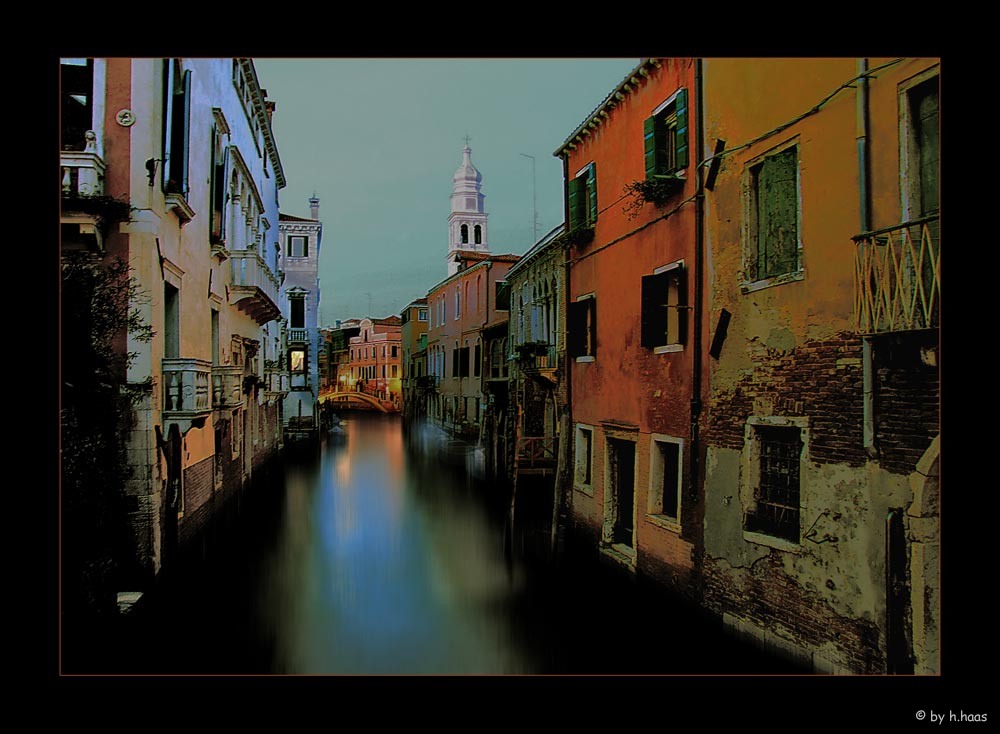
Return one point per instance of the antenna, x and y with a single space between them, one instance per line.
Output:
534 201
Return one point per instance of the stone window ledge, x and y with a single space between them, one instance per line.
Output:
771 542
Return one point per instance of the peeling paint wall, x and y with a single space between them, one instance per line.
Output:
792 355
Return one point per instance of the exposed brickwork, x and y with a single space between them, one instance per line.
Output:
907 401
198 480
821 380
764 595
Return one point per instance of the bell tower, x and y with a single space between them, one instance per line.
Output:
467 221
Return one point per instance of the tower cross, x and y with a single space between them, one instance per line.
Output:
467 139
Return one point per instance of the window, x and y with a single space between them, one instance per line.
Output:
502 296
921 151
773 216
463 362
217 190
664 314
477 232
465 234
665 479
454 361
297 361
775 454
581 325
395 371
458 302
298 312
422 314
665 137
477 362
176 127
298 246
236 435
584 455
394 351
583 198
76 82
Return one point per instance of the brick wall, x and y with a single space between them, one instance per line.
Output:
765 596
198 481
907 399
820 379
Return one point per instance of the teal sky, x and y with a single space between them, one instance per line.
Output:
378 140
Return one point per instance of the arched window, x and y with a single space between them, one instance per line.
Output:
465 234
478 233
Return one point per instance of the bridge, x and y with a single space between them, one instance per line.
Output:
355 399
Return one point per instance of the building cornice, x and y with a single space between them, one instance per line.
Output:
633 80
260 110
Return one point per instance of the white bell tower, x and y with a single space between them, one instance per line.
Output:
467 221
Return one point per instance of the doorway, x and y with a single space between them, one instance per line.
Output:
621 474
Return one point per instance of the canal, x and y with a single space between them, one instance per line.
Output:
374 558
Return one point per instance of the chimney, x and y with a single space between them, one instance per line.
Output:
314 207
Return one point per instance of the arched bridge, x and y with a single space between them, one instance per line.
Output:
347 397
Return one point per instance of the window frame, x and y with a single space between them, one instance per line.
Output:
751 474
671 114
674 270
291 245
654 495
590 340
581 472
750 224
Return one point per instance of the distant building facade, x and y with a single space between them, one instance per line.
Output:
376 359
413 340
301 240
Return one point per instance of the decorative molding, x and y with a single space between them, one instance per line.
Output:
220 121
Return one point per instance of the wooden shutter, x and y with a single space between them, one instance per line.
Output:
477 363
682 300
592 310
168 117
454 363
649 145
576 195
186 130
682 129
576 324
592 194
223 188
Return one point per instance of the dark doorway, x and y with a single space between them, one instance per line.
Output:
897 595
622 474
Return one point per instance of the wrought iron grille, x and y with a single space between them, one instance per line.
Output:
776 510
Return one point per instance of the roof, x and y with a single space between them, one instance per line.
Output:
388 321
632 80
537 248
282 217
483 259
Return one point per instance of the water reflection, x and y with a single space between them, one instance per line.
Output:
383 567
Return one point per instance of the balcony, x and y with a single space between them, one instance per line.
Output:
254 288
427 382
83 200
897 278
298 335
186 396
227 383
275 383
537 455
538 359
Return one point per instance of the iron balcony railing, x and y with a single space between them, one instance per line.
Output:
537 356
227 384
897 277
185 387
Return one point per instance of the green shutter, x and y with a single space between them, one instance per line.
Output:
682 129
592 307
592 194
649 145
575 202
168 117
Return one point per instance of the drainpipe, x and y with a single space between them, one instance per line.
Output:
696 312
864 206
569 437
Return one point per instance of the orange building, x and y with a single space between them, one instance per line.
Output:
822 424
376 359
630 180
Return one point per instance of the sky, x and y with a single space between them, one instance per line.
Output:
378 141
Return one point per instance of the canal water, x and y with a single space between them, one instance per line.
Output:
374 557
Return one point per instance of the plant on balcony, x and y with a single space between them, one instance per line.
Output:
656 190
97 414
579 236
106 210
527 350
